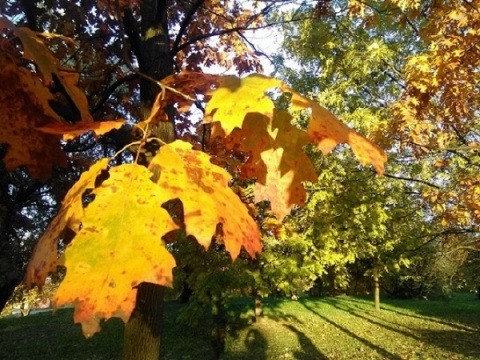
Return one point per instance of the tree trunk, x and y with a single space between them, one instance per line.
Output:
143 331
10 266
258 307
376 282
219 330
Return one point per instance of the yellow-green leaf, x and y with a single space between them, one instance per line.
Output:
118 247
44 258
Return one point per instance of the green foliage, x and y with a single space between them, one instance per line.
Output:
358 68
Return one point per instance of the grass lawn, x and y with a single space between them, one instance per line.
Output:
327 328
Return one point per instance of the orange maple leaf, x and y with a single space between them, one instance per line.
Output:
277 161
70 131
24 104
49 66
275 147
202 187
327 132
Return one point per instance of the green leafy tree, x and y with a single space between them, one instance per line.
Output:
357 67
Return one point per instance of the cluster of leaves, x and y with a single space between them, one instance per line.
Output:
117 243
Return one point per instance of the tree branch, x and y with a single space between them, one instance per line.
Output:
109 91
186 21
31 13
411 179
228 31
130 28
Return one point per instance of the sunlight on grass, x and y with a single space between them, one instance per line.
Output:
327 328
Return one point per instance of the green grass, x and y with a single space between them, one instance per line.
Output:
329 328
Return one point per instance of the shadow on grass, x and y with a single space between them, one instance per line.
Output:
256 344
308 349
463 341
47 336
456 312
453 313
432 318
383 352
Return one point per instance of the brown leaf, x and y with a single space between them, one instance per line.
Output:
23 102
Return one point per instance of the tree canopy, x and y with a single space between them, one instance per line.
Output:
119 94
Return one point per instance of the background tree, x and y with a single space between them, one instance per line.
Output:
363 68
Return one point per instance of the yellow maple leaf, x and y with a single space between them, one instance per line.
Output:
118 247
235 98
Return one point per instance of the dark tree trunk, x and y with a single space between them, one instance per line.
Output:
10 268
143 331
152 49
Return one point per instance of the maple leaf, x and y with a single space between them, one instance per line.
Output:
202 187
70 131
234 98
49 66
277 161
118 247
22 100
327 132
275 147
44 258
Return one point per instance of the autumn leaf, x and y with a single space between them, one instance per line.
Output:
49 66
34 49
277 161
44 258
118 247
70 131
22 100
275 147
202 187
327 132
288 168
235 98
180 89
